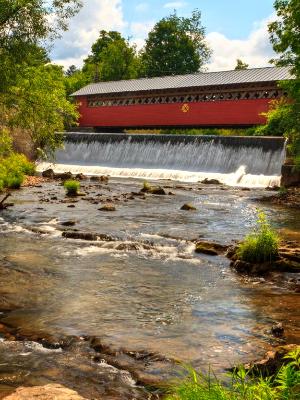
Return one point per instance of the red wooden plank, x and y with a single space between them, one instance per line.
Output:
218 113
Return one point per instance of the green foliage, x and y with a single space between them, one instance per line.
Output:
209 131
112 59
240 65
261 245
23 25
285 34
13 170
72 187
243 386
5 143
40 105
146 186
284 117
76 81
176 45
32 94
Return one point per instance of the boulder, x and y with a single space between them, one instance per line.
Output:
107 207
277 330
101 178
80 177
188 207
64 176
48 173
207 181
205 250
272 361
212 249
80 235
52 391
153 190
68 223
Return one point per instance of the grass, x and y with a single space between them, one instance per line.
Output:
13 169
146 186
284 385
261 245
72 187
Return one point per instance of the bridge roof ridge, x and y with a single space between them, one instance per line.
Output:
198 79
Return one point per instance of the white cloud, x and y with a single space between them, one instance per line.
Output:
142 7
84 29
141 29
255 50
175 4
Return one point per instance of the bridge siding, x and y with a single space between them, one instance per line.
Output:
217 113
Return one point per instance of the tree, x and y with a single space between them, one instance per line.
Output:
285 34
112 58
284 116
32 93
71 70
24 24
39 106
75 82
240 65
176 45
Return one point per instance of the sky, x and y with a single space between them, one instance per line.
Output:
234 28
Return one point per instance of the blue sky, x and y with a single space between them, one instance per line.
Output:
234 18
234 28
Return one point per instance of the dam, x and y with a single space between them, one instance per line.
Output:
235 161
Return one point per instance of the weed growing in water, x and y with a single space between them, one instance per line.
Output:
72 187
261 245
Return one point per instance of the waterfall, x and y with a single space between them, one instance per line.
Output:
237 161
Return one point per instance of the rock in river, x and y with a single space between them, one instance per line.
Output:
52 391
80 235
107 207
188 207
207 181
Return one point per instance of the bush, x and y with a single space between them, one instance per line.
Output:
284 385
13 170
5 143
261 245
72 187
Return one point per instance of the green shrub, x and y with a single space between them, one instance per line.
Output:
261 245
146 186
284 385
5 143
72 187
13 169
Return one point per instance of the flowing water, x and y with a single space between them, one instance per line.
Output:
236 161
144 289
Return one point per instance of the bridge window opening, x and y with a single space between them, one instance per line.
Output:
114 101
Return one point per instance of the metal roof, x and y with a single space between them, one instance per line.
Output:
200 79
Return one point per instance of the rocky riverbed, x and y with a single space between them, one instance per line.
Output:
104 293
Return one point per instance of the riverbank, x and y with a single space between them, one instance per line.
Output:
132 297
286 197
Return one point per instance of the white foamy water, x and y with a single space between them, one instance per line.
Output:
233 162
238 178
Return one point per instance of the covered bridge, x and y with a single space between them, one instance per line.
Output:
205 99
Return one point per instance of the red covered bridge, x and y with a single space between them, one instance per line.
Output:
205 99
